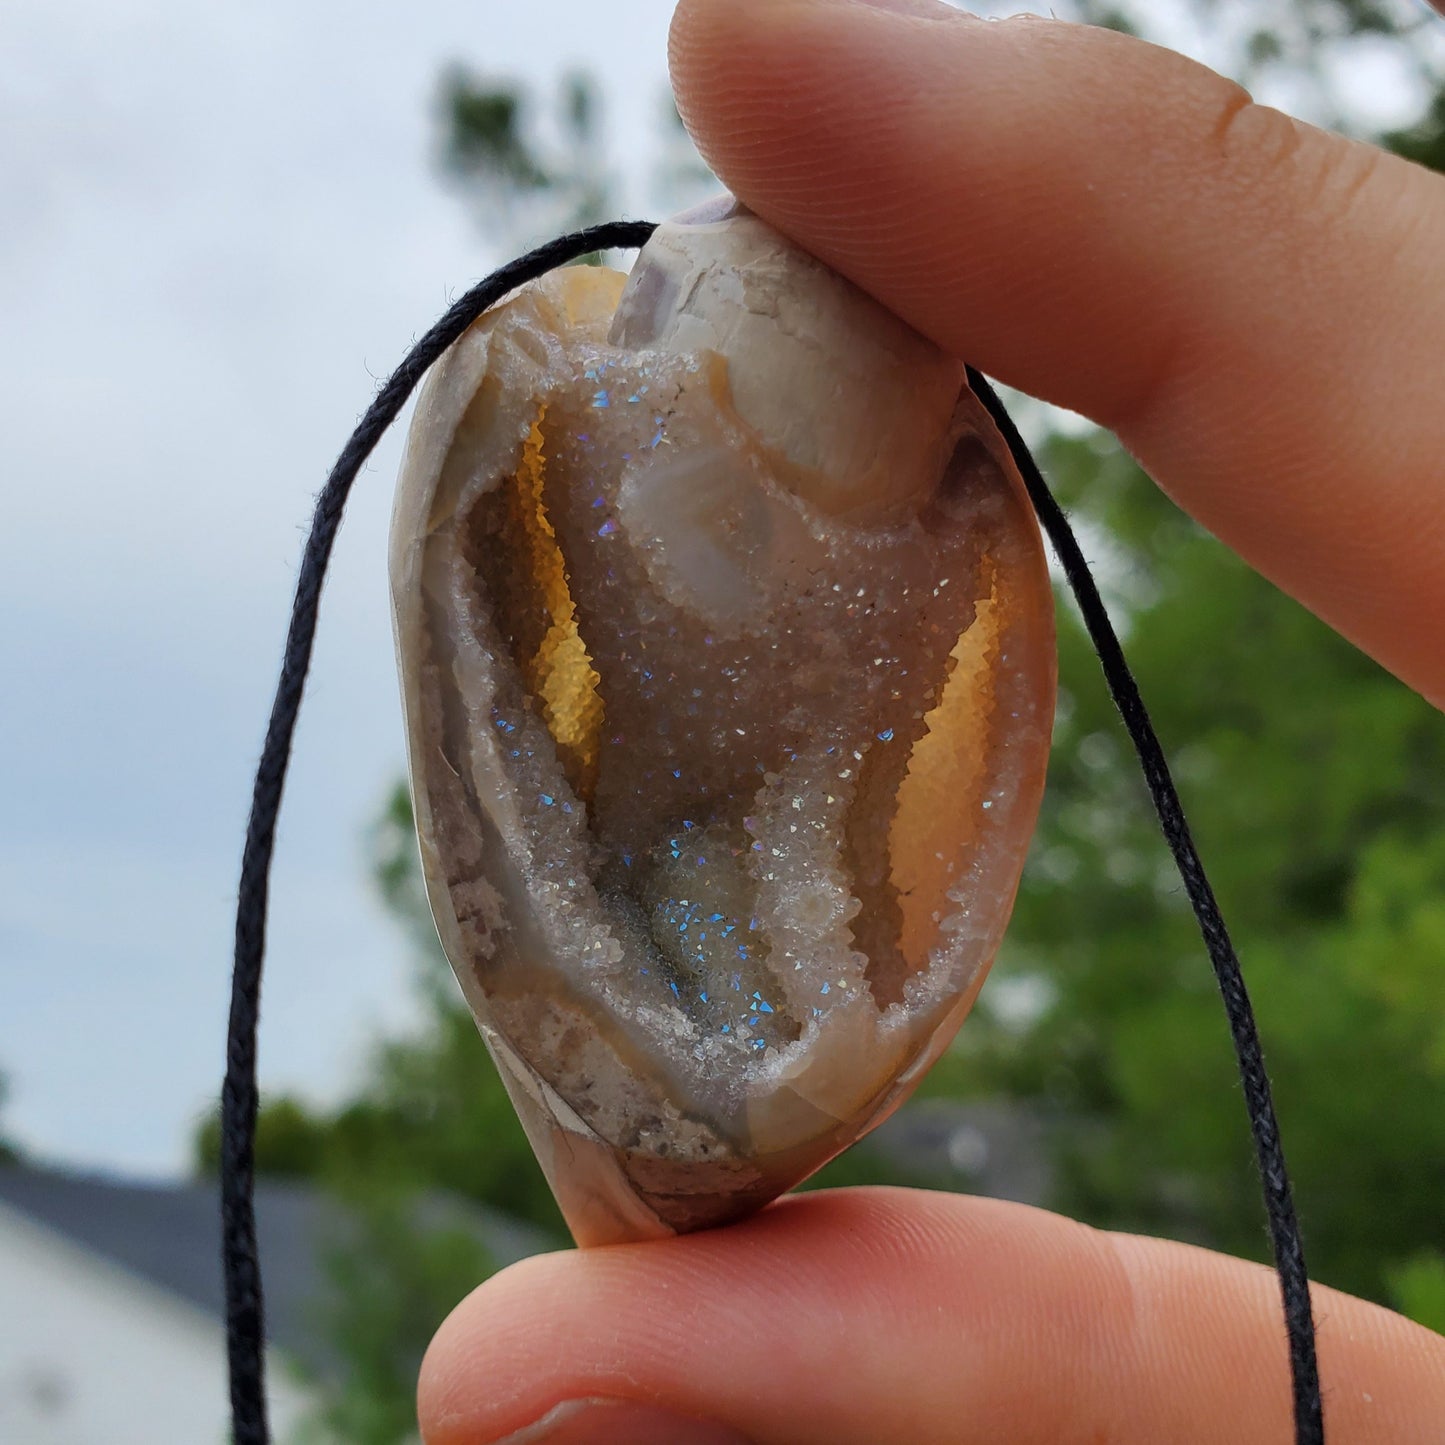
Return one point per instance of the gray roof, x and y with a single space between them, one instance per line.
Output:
169 1234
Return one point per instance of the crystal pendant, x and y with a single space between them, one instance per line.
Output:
726 647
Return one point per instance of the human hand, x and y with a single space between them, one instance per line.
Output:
1258 310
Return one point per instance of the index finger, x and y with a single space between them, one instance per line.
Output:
1256 307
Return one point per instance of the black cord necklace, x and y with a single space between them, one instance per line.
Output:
239 1095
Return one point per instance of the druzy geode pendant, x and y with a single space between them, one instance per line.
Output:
727 653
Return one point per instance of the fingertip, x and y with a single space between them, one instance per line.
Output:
944 166
455 1372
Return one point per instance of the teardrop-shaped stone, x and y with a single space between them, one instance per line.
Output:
727 655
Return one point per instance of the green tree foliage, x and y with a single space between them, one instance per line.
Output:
1424 143
292 1141
435 1109
534 164
432 1111
391 1277
9 1154
1316 787
1418 1285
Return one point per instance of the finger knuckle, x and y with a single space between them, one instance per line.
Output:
1320 178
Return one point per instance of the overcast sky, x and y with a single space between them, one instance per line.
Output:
219 226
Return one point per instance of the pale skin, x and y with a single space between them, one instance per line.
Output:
1257 309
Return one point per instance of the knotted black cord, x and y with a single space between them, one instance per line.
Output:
239 1098
1284 1230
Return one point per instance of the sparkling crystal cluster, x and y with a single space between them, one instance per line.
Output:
726 650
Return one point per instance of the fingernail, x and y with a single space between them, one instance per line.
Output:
621 1422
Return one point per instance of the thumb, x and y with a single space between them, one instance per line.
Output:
1254 305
